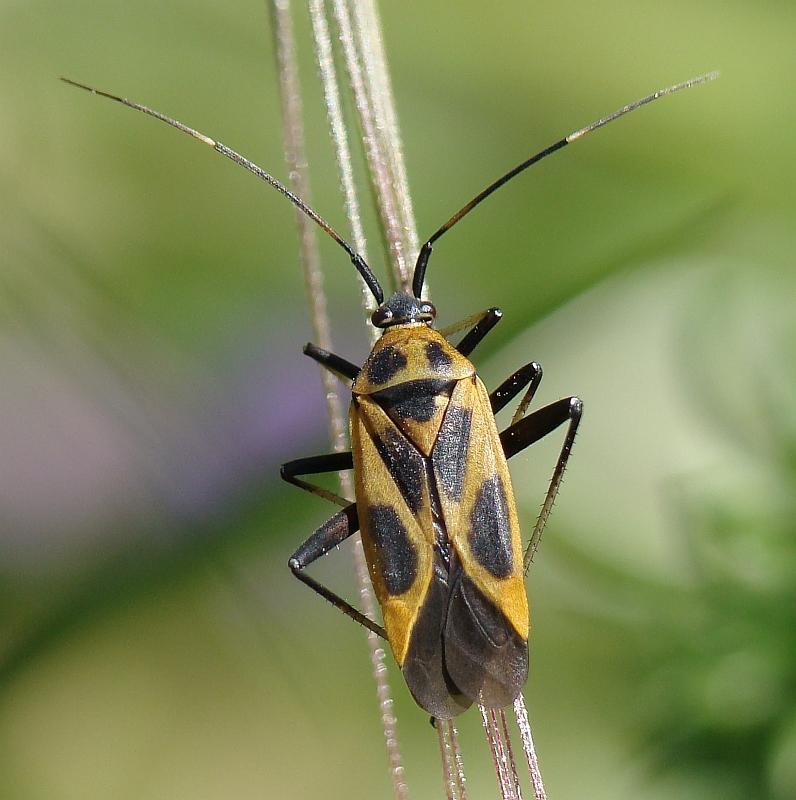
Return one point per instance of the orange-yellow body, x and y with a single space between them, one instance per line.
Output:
433 490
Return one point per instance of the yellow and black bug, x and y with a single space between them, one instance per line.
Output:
434 500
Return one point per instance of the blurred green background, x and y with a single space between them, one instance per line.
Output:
152 642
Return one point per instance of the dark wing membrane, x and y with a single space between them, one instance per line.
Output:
484 655
423 669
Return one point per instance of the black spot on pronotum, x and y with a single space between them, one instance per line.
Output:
385 364
490 536
413 400
397 556
404 464
438 359
450 451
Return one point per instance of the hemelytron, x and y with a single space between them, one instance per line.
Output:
433 496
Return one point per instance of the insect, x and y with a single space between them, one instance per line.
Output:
434 500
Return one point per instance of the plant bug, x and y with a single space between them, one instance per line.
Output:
434 500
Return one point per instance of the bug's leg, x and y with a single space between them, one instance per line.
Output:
314 465
337 365
535 426
481 323
332 533
531 376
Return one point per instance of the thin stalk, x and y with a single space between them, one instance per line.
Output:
447 759
528 748
368 112
494 741
340 138
298 179
511 763
363 50
457 760
506 765
292 116
367 27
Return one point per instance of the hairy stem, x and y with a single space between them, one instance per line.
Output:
341 140
292 115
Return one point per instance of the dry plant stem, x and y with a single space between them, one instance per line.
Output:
363 50
527 745
446 758
457 764
367 112
340 139
293 131
367 27
505 755
493 740
452 765
512 764
499 741
294 153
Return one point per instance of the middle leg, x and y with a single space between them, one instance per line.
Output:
535 426
531 376
315 465
331 534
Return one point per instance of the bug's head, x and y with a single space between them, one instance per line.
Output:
403 309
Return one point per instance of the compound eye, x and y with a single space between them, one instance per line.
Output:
381 317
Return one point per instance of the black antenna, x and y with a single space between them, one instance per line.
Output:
425 251
359 263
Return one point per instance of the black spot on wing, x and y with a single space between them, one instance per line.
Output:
490 536
397 554
385 364
423 666
438 359
405 465
413 400
450 450
483 655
